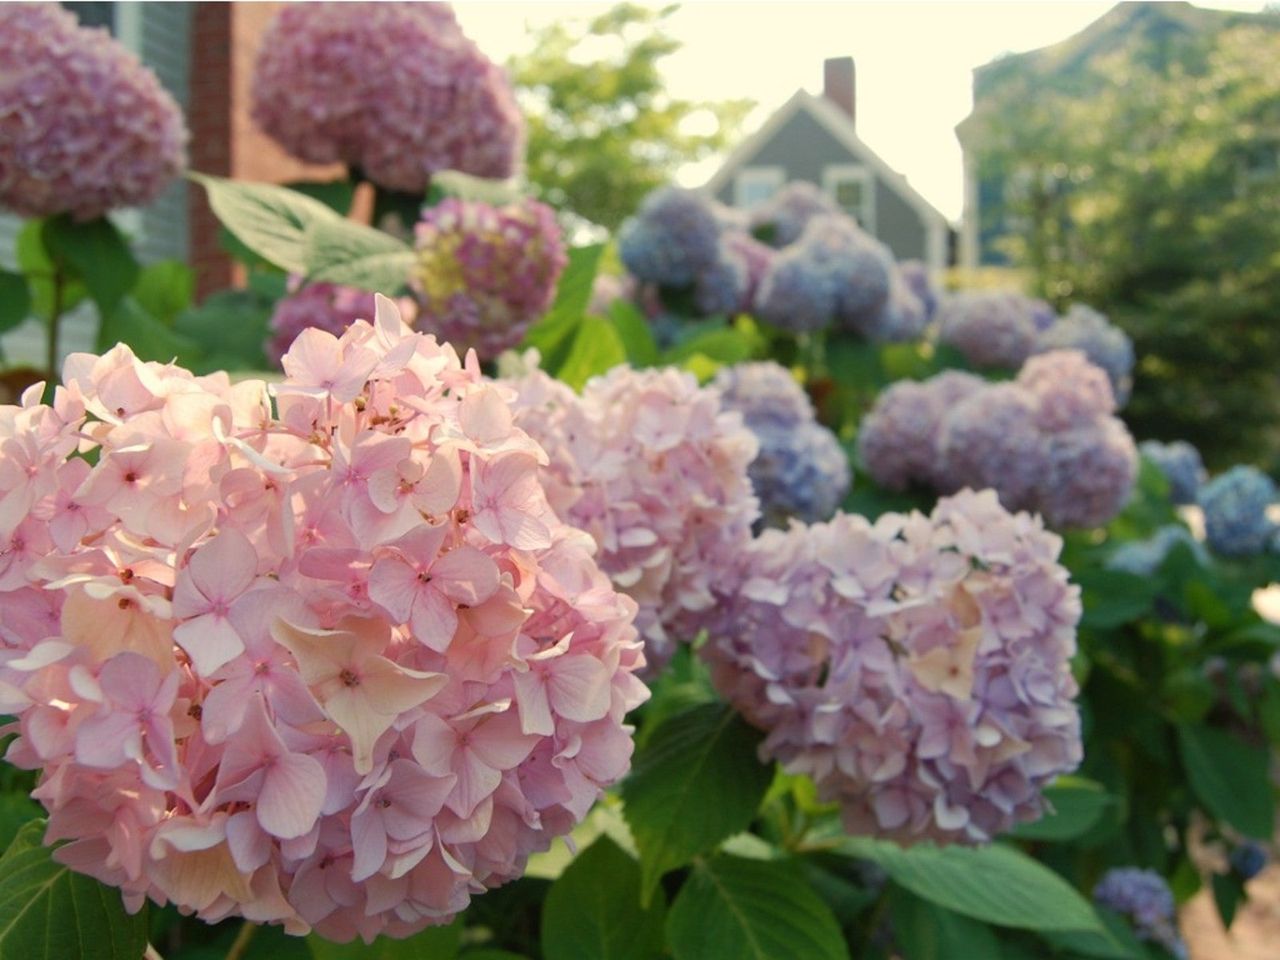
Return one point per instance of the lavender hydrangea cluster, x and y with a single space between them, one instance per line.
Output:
1145 899
84 127
916 668
990 328
801 470
485 273
781 219
1235 511
1181 465
672 240
1106 346
393 89
1046 441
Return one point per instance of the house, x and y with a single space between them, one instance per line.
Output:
1156 34
813 138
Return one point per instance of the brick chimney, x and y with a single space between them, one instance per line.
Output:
839 84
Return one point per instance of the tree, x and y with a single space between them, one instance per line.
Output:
603 132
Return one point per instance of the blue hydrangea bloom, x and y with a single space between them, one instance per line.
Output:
1181 465
1144 557
797 294
1248 860
722 287
673 237
1235 511
1106 346
1145 899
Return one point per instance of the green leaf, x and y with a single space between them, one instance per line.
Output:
47 912
343 251
229 329
593 911
1076 804
16 811
15 299
633 329
488 954
1230 778
1228 894
596 348
925 931
696 781
736 909
337 195
1117 942
33 260
553 335
96 253
164 289
725 346
453 183
1112 597
270 220
433 943
995 884
146 336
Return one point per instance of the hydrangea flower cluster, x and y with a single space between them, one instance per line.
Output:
1106 346
917 668
781 219
1145 899
1181 465
1145 557
393 89
672 240
991 328
337 667
485 273
330 307
1249 859
84 127
916 276
1235 511
653 467
801 470
1046 442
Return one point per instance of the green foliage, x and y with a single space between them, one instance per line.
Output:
1075 806
342 251
164 289
94 253
602 131
15 299
49 913
1231 778
433 943
228 329
925 931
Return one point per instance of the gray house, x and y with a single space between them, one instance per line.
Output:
813 138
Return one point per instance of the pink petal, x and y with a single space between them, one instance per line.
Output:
434 741
580 688
223 567
499 742
210 642
369 844
534 704
484 416
476 781
466 575
250 846
108 740
292 794
394 585
434 620
441 485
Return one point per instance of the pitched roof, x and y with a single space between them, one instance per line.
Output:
840 127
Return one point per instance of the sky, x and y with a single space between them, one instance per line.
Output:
915 62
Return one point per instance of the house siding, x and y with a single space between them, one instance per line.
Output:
804 148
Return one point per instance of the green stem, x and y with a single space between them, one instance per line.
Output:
55 319
240 945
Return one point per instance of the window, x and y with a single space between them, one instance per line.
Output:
94 14
852 187
755 185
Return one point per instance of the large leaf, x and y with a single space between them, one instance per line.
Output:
633 329
733 908
271 221
593 911
925 931
553 335
1112 597
47 912
164 289
96 253
433 943
230 328
696 781
596 348
146 336
1230 778
1075 805
15 299
342 251
33 260
995 884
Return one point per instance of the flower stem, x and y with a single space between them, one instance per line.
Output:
240 945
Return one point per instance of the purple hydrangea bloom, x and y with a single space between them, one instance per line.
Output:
916 276
673 237
755 256
783 217
485 273
917 668
1072 392
1106 346
1235 511
1181 465
903 317
861 265
801 470
84 127
1145 899
1091 472
991 328
723 287
394 89
796 293
990 439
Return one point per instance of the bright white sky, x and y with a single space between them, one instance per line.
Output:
914 62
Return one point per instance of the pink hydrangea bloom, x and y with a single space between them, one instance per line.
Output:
84 127
326 306
317 654
485 273
917 668
653 467
992 328
1071 390
393 89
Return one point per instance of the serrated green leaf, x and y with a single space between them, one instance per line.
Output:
596 349
96 253
48 912
995 884
1230 778
164 289
633 329
15 299
696 781
593 911
270 220
1074 808
433 943
736 909
343 251
925 931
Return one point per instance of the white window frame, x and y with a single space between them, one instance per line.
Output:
772 177
838 173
